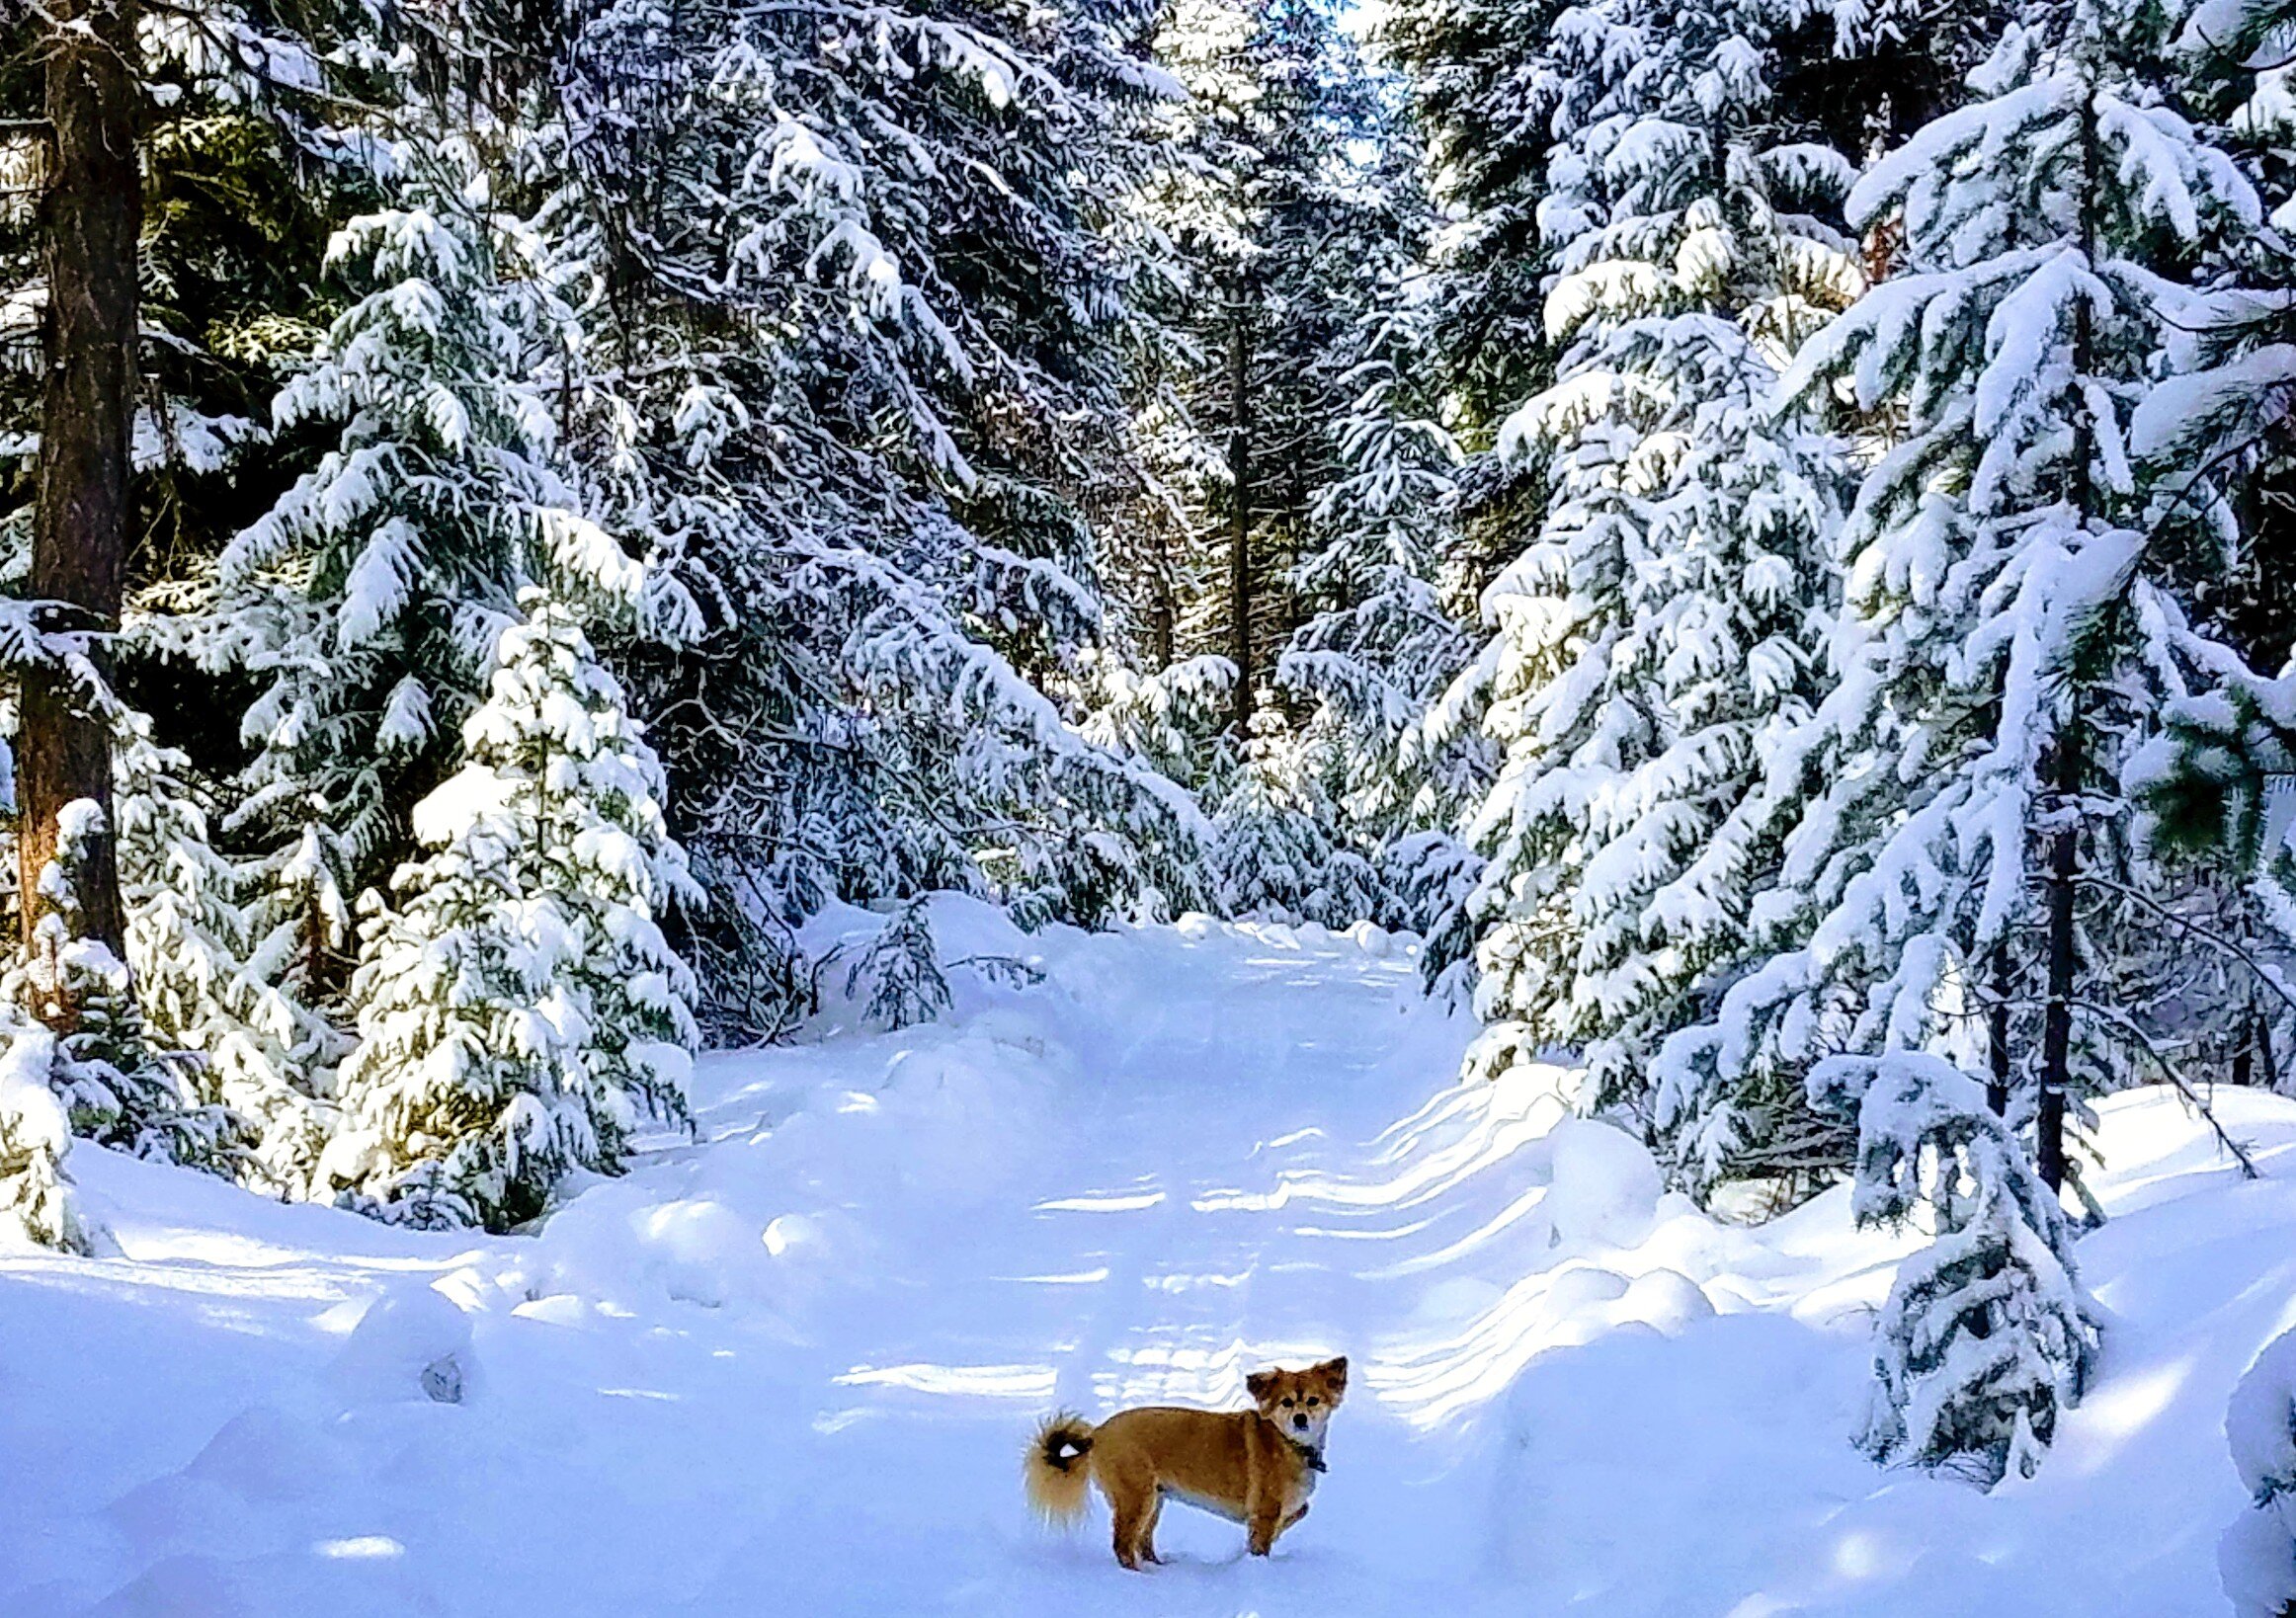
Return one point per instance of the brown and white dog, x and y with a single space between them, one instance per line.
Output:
1255 1467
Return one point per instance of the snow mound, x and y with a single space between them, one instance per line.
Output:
2257 1557
412 1343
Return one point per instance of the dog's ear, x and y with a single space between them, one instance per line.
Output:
1259 1384
1335 1374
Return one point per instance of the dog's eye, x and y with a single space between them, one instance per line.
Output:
1312 1401
1287 1403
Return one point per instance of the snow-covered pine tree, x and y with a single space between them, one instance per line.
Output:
365 600
1197 325
242 155
208 980
901 971
1273 850
2226 410
874 324
115 1084
1292 216
1277 192
248 151
1171 717
1384 583
2214 434
2009 621
1663 634
1987 1337
2215 918
2208 917
521 1013
1484 86
36 1200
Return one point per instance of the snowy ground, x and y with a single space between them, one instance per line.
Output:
789 1371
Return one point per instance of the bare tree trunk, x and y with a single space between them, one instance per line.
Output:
1240 520
2065 841
1163 615
1295 523
2057 1017
91 212
1997 1090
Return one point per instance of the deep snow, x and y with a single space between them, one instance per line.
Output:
790 1371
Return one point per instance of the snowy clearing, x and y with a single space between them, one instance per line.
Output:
790 1369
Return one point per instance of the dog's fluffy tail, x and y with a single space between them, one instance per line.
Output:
1054 1467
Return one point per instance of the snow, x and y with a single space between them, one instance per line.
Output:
788 1366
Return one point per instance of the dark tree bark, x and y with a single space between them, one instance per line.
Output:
1239 518
1997 1090
1163 615
90 214
2057 1016
2065 838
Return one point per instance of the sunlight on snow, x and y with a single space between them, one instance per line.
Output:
361 1547
1508 1115
1474 1239
1113 1202
1077 1277
2114 1414
1030 1382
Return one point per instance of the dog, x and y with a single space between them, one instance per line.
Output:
1255 1467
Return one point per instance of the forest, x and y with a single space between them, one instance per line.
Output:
558 551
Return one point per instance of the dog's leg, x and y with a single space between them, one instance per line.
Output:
1133 1508
1148 1528
1295 1517
1261 1522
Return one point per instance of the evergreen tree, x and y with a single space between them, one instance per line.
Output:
1987 1336
204 968
2011 617
37 1199
1283 221
901 969
1663 634
2215 433
2226 415
520 1011
874 322
115 1084
365 600
1485 86
1272 851
1385 636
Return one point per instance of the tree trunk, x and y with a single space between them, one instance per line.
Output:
90 214
1239 517
1163 615
2064 847
2244 1056
1997 1090
2057 1021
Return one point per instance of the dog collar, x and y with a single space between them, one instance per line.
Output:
1313 1457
